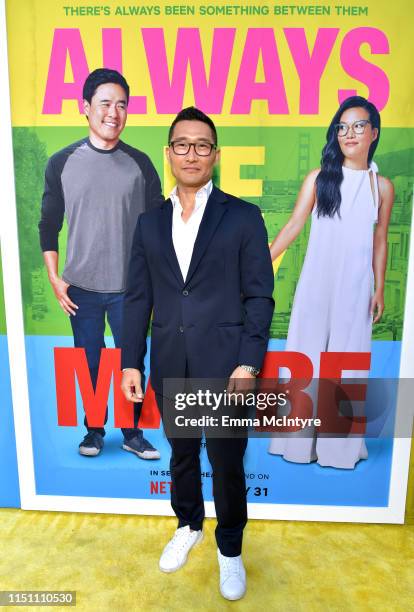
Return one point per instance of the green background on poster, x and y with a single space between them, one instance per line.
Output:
289 154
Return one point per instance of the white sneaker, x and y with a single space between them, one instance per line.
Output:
232 576
175 553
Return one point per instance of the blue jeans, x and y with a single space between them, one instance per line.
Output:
88 328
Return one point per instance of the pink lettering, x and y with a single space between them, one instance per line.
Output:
169 75
310 67
168 95
66 41
260 40
112 58
357 67
112 48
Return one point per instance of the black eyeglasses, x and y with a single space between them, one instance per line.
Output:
358 127
203 149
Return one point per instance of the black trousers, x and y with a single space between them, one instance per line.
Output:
229 485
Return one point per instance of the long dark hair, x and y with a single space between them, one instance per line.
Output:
329 179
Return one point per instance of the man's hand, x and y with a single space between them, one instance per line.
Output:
131 385
60 289
241 381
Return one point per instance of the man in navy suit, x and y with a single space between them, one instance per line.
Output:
201 263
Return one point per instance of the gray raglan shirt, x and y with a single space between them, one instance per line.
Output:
102 193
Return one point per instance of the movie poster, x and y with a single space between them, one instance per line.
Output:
271 75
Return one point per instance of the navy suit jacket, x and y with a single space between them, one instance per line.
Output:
219 317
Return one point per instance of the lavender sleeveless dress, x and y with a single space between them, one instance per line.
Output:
331 309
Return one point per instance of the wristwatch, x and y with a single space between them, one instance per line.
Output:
253 371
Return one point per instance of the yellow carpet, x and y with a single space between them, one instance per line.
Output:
111 561
409 506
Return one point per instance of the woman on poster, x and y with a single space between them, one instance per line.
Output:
340 292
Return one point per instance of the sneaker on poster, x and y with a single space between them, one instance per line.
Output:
92 444
141 447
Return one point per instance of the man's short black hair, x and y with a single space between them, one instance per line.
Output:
100 76
191 113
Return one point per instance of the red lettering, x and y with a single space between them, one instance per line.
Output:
71 364
332 392
161 487
150 416
301 370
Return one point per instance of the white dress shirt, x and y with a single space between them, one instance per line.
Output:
184 234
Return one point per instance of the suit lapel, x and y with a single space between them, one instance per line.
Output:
167 243
213 213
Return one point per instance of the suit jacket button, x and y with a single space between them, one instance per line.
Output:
181 329
185 292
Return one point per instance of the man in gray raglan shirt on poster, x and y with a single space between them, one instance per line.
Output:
102 185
